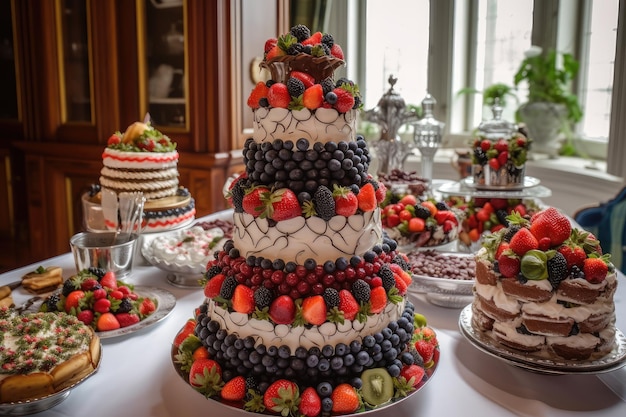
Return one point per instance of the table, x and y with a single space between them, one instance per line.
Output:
136 376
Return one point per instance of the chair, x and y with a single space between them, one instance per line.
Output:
607 221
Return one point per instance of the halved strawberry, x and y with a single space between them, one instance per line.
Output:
367 198
378 299
243 299
235 389
314 39
313 97
314 310
109 280
282 310
214 285
348 304
336 51
187 329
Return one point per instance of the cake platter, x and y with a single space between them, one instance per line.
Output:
529 182
615 359
36 405
365 409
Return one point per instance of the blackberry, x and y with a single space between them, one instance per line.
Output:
327 39
295 49
300 32
386 275
68 286
361 291
324 202
399 259
212 271
237 193
501 215
228 288
263 297
343 80
125 305
295 87
557 269
422 212
98 272
441 205
510 232
331 297
51 302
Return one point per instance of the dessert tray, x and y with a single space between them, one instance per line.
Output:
614 360
21 408
363 410
466 187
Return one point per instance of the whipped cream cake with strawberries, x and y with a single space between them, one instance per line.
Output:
309 295
546 288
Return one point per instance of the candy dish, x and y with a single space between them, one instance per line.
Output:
535 363
430 372
22 408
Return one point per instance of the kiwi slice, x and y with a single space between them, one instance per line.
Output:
377 386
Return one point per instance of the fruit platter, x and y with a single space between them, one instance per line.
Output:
376 389
110 306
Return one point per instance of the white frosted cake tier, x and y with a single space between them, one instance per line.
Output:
113 158
321 125
300 238
269 334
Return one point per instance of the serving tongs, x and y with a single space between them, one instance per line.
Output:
131 210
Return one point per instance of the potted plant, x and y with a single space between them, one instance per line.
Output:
551 108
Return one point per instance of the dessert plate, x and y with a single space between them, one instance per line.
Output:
21 408
165 300
612 361
364 410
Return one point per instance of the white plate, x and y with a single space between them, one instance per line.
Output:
555 366
21 408
165 301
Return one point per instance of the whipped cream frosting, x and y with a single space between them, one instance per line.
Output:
267 333
139 160
321 125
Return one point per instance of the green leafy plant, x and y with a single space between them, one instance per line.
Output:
495 91
549 82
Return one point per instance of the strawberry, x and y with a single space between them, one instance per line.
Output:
127 319
367 198
553 224
116 294
235 389
430 206
269 44
114 140
214 285
147 307
345 100
413 374
107 321
280 205
259 91
336 51
282 310
253 202
346 203
499 203
509 263
72 300
408 200
310 403
521 209
205 375
494 164
501 145
381 192
574 255
416 225
544 243
503 157
313 97
274 52
109 280
314 39
86 316
501 248
348 304
99 293
201 352
243 299
314 310
485 145
102 305
425 349
345 398
187 329
282 397
89 284
278 95
307 79
523 241
595 270
378 299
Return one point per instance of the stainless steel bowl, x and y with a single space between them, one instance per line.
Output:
110 251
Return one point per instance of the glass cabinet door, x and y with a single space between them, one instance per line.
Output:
74 63
8 81
163 61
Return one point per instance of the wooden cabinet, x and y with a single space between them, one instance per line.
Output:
84 69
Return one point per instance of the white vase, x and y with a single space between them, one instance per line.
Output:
543 121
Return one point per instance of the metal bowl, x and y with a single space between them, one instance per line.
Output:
110 251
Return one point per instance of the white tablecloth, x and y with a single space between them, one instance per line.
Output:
136 376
